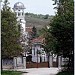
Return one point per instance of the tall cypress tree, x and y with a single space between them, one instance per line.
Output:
34 32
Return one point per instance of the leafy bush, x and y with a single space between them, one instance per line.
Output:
65 73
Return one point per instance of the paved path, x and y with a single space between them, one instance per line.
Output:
39 71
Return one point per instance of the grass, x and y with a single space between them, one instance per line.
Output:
10 73
65 73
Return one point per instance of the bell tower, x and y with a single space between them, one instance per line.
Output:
19 11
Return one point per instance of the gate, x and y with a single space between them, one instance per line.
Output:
31 64
36 65
51 62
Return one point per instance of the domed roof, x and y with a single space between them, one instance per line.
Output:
19 5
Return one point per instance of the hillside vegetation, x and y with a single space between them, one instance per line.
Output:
39 21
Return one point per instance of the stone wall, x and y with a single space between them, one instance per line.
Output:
7 63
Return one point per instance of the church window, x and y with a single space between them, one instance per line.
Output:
18 14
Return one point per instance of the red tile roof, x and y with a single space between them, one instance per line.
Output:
38 39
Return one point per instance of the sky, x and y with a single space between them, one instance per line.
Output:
36 6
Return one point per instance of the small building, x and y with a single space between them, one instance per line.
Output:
38 53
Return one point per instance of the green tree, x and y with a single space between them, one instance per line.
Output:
46 16
10 34
62 28
50 41
34 32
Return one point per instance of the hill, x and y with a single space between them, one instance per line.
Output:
39 21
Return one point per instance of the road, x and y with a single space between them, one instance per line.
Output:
39 71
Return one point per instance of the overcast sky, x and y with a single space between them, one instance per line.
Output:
36 6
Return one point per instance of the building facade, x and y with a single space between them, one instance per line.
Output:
38 52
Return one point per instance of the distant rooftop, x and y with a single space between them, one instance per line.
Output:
39 39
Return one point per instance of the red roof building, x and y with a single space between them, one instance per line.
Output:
39 39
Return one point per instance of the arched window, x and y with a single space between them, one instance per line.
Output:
22 13
18 14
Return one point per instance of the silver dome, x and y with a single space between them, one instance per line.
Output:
18 5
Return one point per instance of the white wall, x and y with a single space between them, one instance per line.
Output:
34 54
